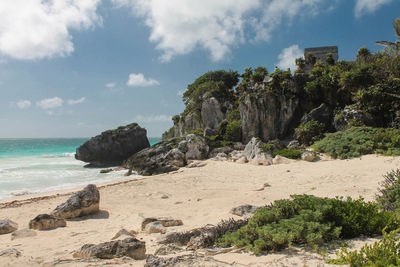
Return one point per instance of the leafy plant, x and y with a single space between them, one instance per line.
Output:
288 153
385 252
389 197
233 131
357 141
309 220
309 132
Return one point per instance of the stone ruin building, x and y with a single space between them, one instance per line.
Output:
320 54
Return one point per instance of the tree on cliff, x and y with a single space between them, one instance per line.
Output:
394 45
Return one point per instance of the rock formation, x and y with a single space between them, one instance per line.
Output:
46 222
129 247
168 155
112 147
81 203
7 226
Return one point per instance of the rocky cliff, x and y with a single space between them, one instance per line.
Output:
112 147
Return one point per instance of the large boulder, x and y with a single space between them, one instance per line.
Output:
7 226
168 155
321 114
81 203
46 222
211 113
129 247
112 147
350 116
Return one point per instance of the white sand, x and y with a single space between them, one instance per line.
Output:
197 196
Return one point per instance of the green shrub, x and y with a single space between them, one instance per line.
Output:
357 141
309 220
309 132
217 141
389 197
198 132
385 252
233 131
288 153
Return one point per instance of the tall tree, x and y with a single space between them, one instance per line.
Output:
394 45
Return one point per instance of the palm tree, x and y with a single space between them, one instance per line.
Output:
396 45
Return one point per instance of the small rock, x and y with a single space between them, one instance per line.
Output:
81 203
23 233
129 247
164 196
244 210
309 156
10 252
261 159
46 222
166 222
7 226
106 170
168 249
280 160
124 232
242 160
155 227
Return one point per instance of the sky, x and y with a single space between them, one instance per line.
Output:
75 68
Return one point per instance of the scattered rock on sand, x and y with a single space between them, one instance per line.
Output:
7 226
244 210
130 247
46 222
166 222
167 250
280 160
124 232
309 156
23 233
155 227
81 203
10 252
184 260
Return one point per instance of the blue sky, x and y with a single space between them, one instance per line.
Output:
74 68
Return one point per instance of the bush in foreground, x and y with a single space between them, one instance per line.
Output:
385 252
309 132
357 141
311 221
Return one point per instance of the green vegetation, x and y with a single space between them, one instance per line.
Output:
309 132
389 197
288 153
357 141
311 221
233 131
385 252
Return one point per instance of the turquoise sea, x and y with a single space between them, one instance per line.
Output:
32 166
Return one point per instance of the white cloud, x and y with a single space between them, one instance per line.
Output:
49 103
36 29
153 118
287 58
111 85
24 104
180 26
368 6
76 101
139 80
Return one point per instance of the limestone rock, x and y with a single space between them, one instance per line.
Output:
216 151
7 226
281 160
261 159
112 147
46 222
166 222
129 247
155 227
81 203
244 210
211 113
309 156
321 114
348 115
11 252
124 232
197 147
167 250
23 233
106 170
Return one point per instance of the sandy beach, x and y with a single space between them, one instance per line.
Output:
198 196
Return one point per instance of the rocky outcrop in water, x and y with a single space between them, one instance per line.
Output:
112 147
168 155
81 203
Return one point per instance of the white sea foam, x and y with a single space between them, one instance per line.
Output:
33 175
